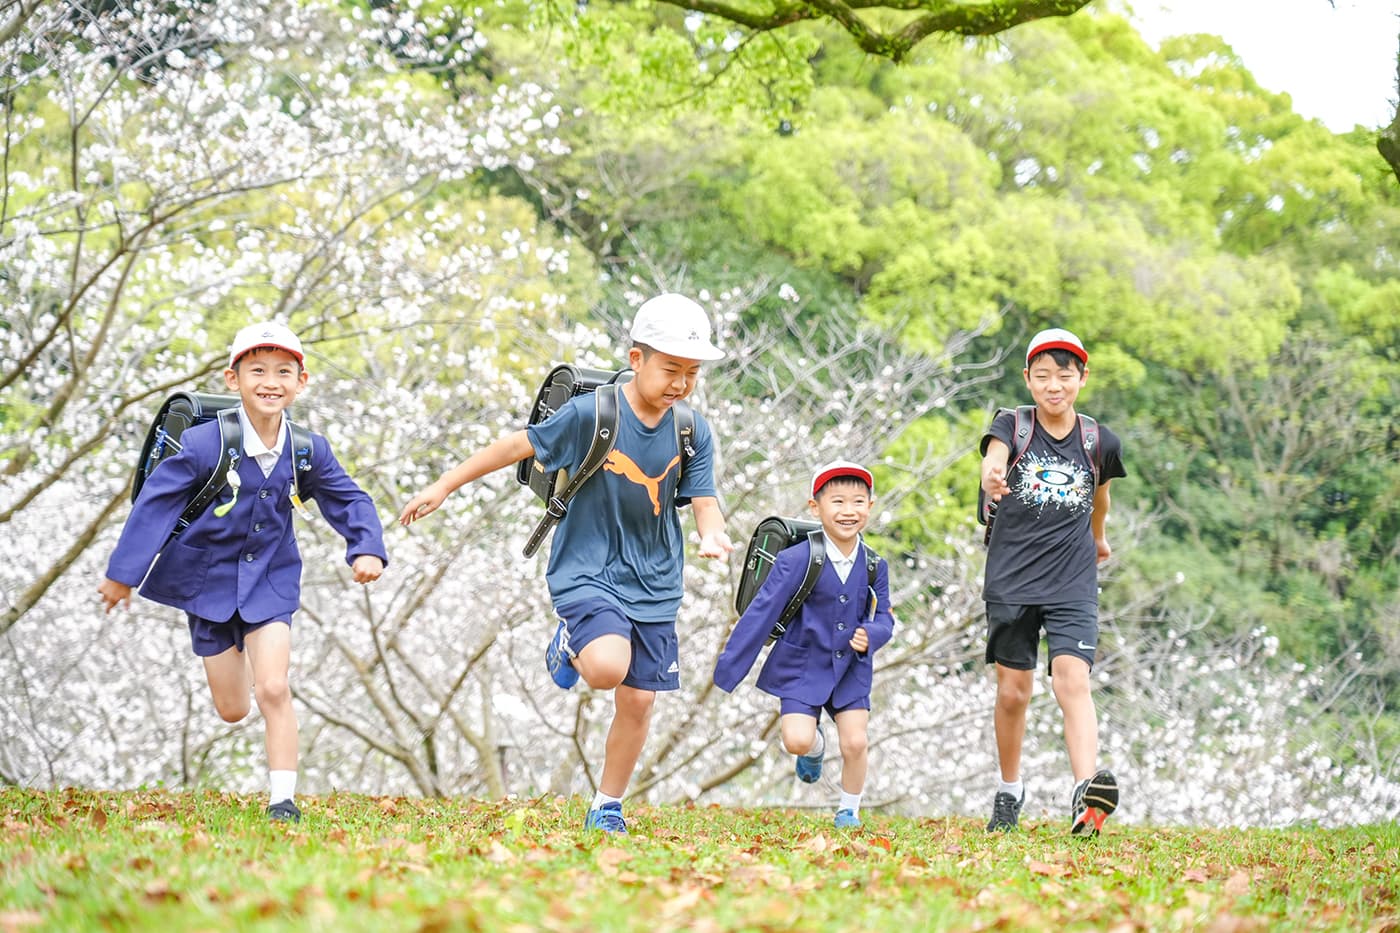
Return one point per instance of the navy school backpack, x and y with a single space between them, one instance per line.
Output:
775 534
1021 437
556 488
182 411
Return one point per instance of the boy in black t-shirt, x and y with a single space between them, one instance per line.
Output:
1042 572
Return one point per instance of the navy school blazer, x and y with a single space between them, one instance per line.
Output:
246 561
813 662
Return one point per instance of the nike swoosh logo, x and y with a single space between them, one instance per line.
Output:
1084 647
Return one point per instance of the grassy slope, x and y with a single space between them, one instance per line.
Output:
152 860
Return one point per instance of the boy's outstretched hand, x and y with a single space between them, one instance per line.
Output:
112 593
716 544
422 505
367 568
994 484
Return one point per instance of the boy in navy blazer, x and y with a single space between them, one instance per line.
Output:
824 659
235 570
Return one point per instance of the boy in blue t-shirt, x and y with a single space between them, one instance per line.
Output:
615 568
235 570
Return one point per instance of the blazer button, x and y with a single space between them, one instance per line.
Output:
840 654
840 626
257 526
248 558
262 494
843 597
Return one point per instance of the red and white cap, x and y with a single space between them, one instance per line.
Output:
837 468
1056 338
265 334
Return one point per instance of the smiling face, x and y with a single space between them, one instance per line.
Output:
661 379
267 379
843 508
1054 379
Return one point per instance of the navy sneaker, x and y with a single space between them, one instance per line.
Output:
1006 812
607 818
556 658
809 766
1094 799
847 819
283 811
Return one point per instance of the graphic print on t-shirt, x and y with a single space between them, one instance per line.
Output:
624 466
1046 480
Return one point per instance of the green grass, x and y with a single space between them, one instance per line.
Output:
74 860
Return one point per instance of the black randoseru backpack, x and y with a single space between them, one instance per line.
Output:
555 489
775 534
182 411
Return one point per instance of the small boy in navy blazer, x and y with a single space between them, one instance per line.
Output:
823 661
235 569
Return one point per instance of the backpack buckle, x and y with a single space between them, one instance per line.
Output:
556 509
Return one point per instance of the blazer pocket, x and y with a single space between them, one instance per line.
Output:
180 571
787 664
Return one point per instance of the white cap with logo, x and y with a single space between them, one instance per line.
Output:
265 334
676 325
838 468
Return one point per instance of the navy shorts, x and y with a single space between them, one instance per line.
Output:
212 638
655 661
789 705
1013 632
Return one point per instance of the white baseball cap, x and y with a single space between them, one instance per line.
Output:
265 334
837 468
676 325
1056 338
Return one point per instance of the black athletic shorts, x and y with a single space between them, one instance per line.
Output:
1013 632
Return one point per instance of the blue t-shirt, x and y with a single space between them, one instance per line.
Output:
621 540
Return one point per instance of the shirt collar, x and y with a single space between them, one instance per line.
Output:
253 444
835 555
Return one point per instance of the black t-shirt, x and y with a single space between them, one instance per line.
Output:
1042 548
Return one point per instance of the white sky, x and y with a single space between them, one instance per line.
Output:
1337 60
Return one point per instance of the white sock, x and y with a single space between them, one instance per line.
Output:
849 801
601 798
818 745
1014 788
282 786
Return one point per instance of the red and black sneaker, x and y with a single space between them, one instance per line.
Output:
1094 799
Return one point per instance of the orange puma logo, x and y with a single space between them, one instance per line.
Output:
624 466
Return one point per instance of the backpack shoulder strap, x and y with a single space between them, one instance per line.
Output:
684 421
1021 438
604 437
816 558
230 452
1089 437
302 462
872 565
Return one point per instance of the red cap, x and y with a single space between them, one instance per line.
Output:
835 468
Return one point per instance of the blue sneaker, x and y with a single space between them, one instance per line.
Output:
607 818
847 819
556 658
809 766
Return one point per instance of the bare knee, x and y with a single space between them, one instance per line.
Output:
635 704
272 693
798 737
231 710
854 745
1013 695
604 662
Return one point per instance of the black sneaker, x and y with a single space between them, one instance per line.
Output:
283 811
1094 799
1006 812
